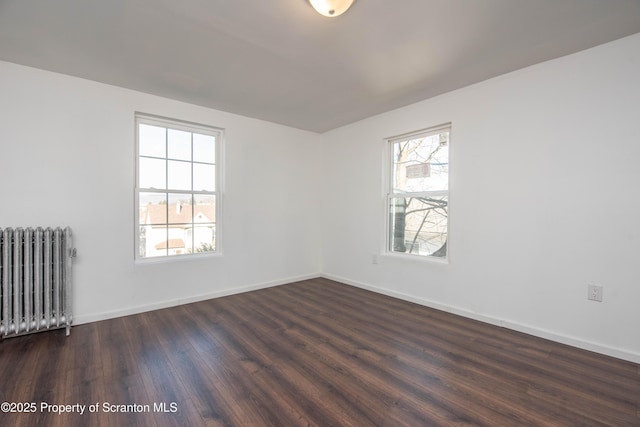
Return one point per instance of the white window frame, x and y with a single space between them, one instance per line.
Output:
181 125
389 192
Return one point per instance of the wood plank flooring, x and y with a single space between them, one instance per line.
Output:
316 353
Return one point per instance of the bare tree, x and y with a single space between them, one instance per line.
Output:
432 209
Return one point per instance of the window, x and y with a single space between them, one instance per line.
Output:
177 197
418 196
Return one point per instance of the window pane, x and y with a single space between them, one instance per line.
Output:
152 208
153 241
179 175
180 209
204 237
204 177
152 141
152 173
157 241
205 208
421 164
179 145
204 223
418 225
177 240
204 148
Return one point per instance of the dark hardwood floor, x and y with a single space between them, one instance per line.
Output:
310 353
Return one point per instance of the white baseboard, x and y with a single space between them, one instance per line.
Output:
553 336
541 333
88 318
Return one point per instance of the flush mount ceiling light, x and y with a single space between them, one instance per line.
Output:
331 8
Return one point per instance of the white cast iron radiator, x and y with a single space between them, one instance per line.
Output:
35 279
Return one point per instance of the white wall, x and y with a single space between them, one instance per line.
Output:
545 170
67 158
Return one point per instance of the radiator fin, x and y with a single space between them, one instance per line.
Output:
35 276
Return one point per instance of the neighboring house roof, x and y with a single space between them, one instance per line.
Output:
179 213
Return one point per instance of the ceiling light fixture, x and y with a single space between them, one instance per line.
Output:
331 8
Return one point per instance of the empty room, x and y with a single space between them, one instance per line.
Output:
319 212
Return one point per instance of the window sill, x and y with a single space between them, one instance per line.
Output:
420 259
176 258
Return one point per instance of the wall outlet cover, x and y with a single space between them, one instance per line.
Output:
594 293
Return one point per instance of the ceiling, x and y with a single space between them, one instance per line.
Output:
280 61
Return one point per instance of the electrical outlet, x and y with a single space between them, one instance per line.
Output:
374 258
594 293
